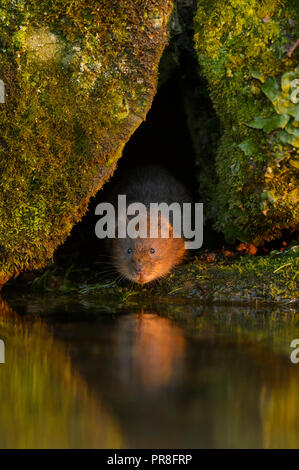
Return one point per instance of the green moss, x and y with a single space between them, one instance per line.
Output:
253 279
79 79
254 196
259 279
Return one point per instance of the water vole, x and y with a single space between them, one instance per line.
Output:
143 260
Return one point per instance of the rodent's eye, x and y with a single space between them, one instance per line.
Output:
130 251
152 250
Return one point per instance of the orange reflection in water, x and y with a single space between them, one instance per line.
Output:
156 350
159 350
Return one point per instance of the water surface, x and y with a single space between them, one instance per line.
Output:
79 374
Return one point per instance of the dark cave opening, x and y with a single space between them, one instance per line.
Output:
164 139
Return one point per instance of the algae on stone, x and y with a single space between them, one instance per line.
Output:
242 45
79 79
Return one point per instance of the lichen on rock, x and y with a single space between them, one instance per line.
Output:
79 79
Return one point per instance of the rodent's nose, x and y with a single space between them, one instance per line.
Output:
140 276
139 269
139 273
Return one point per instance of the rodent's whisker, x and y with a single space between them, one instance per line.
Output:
109 268
104 262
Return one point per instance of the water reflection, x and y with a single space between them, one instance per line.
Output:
43 401
150 350
193 377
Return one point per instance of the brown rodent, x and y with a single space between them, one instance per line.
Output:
143 260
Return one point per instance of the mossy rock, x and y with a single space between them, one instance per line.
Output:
211 278
79 79
243 48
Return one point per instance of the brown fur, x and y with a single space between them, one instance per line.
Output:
148 184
